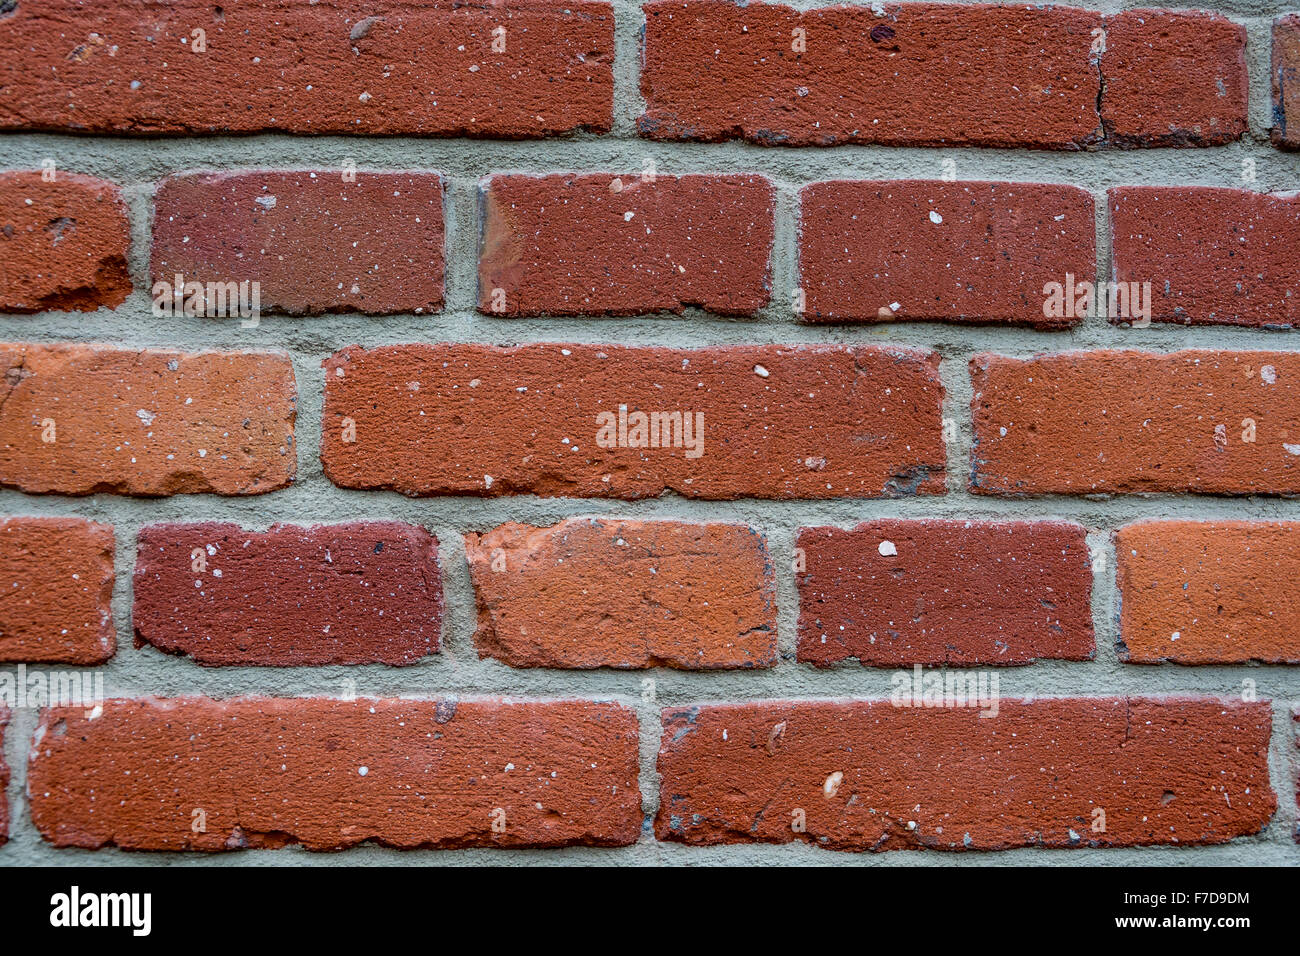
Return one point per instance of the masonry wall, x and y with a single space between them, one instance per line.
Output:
384 569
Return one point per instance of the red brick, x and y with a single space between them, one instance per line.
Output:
312 241
340 66
895 592
64 241
1173 78
56 575
872 776
607 592
975 252
357 593
89 419
1209 592
1115 422
917 74
602 244
1212 256
778 422
330 774
1286 82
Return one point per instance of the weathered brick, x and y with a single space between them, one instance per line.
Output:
1209 592
89 419
311 240
1173 78
896 592
1286 82
65 241
1115 422
329 774
1212 256
975 252
340 66
356 593
777 422
56 577
601 244
867 775
608 592
913 74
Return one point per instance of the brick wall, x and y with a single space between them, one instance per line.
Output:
670 432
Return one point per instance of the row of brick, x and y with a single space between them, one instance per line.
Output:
604 244
202 774
817 421
609 592
915 74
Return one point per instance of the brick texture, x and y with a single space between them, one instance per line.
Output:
873 776
1209 592
1212 256
82 419
1108 422
311 240
622 244
1173 78
592 592
975 252
56 575
1286 82
329 774
894 592
357 593
919 74
799 422
341 66
65 242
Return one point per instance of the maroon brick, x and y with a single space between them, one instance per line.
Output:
341 66
1212 256
913 74
1173 78
619 245
311 240
357 593
895 592
972 252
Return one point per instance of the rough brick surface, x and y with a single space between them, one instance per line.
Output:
87 419
1286 82
1212 256
56 582
331 774
311 240
912 75
896 592
339 66
64 242
606 592
1173 78
778 422
607 244
976 252
1109 422
872 776
1209 592
357 593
